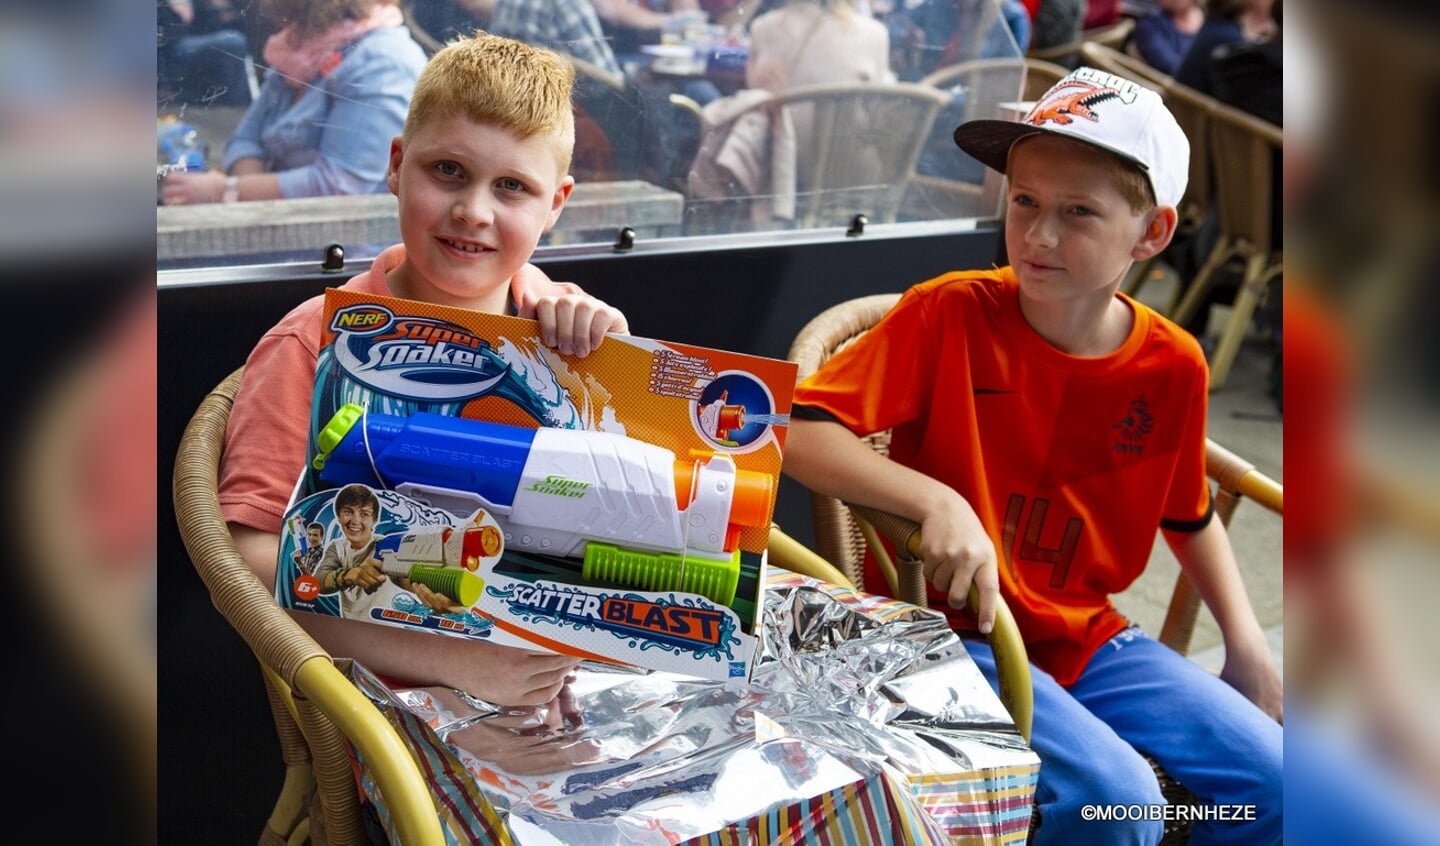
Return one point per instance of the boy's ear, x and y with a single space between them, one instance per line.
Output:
557 202
392 175
1159 229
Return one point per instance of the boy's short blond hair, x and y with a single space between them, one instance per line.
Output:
1132 183
500 82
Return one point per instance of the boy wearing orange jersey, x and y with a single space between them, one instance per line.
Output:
1044 427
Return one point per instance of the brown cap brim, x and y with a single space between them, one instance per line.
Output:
989 141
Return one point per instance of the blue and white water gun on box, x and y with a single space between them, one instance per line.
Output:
633 512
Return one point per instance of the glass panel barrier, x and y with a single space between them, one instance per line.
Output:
694 117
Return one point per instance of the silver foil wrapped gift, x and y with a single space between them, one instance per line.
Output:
864 722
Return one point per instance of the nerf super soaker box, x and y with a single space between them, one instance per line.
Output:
467 480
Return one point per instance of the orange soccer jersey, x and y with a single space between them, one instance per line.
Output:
1071 463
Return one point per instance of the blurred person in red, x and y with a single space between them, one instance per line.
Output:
1100 13
91 451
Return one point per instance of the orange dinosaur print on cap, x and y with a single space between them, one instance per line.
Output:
1063 103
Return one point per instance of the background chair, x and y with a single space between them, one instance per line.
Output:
318 713
1191 109
1245 153
982 82
854 151
1112 35
614 135
1040 75
844 533
947 183
1107 58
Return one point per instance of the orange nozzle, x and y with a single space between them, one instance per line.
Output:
754 494
731 417
749 505
684 483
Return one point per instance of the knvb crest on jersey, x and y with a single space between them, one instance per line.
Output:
413 357
1134 427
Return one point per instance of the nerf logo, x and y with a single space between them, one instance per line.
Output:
413 358
362 319
560 486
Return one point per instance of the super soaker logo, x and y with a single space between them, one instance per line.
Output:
681 627
413 357
560 486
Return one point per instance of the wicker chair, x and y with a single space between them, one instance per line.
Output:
857 153
844 533
1040 75
1107 58
1244 152
319 715
1112 35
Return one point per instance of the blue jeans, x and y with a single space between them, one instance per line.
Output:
1137 693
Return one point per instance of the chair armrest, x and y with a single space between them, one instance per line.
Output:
794 556
1012 663
1235 474
385 754
686 104
297 666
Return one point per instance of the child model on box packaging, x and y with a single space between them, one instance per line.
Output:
307 557
1044 427
481 172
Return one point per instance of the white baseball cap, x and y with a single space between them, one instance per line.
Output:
1101 109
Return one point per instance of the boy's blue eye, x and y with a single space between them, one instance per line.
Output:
448 168
1082 211
1023 200
511 184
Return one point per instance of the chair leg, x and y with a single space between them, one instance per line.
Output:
340 819
293 805
1180 616
1200 286
1246 300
